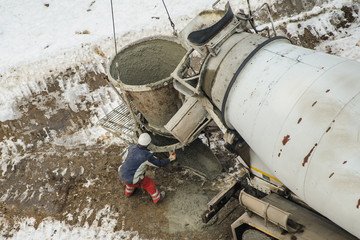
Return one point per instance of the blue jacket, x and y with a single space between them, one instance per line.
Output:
136 159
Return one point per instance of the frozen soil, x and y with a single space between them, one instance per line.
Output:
72 182
305 25
50 172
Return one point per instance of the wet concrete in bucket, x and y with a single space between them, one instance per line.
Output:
147 62
144 68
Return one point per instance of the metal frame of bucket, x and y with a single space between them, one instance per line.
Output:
156 100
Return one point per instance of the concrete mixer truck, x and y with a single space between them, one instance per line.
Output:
290 114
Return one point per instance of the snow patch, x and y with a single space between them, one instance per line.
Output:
11 153
102 228
90 182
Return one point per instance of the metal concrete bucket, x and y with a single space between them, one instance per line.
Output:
143 69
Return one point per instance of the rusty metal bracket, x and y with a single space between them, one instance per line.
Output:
219 201
181 83
215 43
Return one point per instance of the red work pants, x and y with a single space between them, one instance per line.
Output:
147 184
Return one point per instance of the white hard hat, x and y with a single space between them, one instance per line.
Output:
144 139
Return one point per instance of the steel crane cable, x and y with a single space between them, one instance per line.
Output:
171 22
113 23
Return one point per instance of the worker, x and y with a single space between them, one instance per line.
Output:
136 158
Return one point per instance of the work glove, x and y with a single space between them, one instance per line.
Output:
172 156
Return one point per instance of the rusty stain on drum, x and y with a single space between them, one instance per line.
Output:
306 158
286 139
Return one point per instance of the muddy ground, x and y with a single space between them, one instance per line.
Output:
73 183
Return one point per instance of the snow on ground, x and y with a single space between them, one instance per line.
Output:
50 229
323 20
43 37
39 38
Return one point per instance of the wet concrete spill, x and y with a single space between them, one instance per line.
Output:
286 139
198 157
306 159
